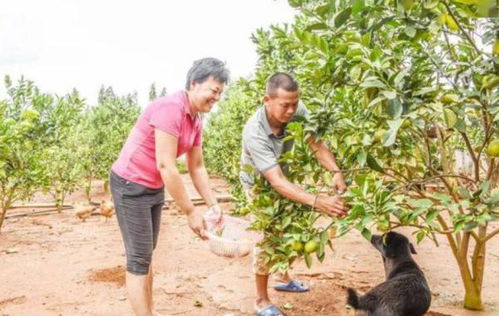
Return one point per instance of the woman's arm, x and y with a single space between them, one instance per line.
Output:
166 155
199 175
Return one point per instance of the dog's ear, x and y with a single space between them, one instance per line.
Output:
413 250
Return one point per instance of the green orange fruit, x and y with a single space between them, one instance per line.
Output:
311 246
407 4
297 246
493 148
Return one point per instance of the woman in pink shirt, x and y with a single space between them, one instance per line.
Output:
167 128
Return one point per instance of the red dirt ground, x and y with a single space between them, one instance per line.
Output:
55 264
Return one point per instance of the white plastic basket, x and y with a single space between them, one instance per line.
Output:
234 241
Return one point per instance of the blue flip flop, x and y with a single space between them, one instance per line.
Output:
270 310
292 286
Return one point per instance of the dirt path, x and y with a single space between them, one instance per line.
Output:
57 265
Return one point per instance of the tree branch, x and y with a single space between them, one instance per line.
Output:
476 163
492 234
461 28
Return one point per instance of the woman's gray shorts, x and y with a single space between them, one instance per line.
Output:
138 210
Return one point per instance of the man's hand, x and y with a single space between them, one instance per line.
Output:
331 205
197 224
339 184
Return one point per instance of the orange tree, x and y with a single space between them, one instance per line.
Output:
36 146
53 144
21 163
395 87
61 143
102 133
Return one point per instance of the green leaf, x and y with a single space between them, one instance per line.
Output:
317 26
398 78
308 259
321 254
286 221
420 235
421 203
377 100
392 133
395 108
470 226
410 31
430 4
424 91
366 233
493 200
431 215
355 72
373 83
360 179
389 94
361 158
450 118
458 227
324 236
444 198
373 164
357 6
342 17
323 10
464 193
466 1
460 125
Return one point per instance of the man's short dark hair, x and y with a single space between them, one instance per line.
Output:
204 68
280 80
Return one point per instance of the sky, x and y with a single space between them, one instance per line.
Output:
128 45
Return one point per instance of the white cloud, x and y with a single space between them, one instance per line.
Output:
128 44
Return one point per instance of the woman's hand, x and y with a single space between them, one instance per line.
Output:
197 223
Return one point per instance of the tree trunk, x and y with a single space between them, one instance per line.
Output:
58 200
2 217
105 186
472 288
472 298
88 188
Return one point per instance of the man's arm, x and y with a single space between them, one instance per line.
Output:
199 175
326 158
281 184
322 153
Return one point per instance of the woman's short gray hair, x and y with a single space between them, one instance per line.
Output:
204 68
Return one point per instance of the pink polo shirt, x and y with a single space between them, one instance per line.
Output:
137 160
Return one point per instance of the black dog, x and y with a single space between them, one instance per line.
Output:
405 291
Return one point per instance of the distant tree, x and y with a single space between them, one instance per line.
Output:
163 92
152 92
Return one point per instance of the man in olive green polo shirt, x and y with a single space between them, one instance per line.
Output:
262 147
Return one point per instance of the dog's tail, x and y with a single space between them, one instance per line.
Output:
353 298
